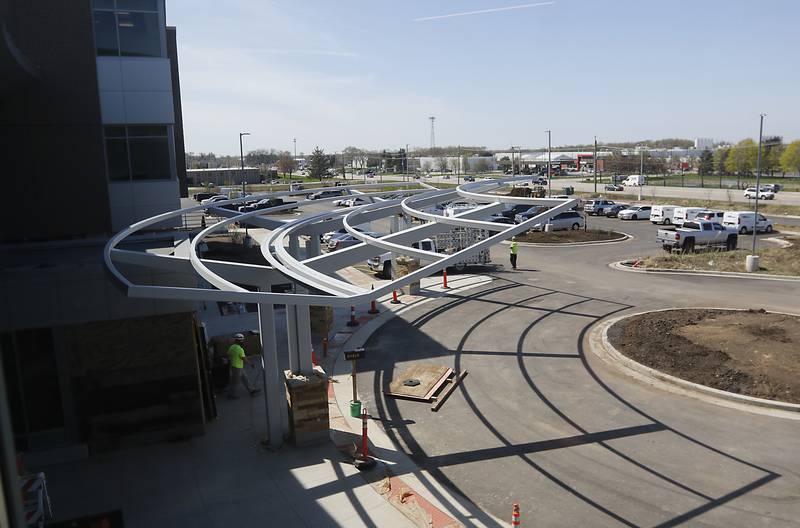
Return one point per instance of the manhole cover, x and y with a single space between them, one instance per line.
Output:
413 382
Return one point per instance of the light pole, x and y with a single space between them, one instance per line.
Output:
758 186
549 185
241 159
241 156
641 173
594 162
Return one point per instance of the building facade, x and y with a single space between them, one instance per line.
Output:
90 120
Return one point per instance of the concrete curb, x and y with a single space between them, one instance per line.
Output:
411 478
627 265
600 345
624 238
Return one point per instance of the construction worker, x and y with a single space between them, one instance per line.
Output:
513 255
237 359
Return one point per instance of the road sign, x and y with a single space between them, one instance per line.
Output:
352 355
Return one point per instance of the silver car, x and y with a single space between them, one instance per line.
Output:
566 220
635 212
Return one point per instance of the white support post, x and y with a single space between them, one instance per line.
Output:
274 393
312 246
291 334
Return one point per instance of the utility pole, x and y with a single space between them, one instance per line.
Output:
549 146
641 172
758 183
594 162
406 176
433 136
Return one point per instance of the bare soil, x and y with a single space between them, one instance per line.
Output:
563 237
772 261
751 352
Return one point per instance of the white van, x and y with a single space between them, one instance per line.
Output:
634 180
743 221
663 214
686 214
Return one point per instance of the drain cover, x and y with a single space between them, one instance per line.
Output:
413 382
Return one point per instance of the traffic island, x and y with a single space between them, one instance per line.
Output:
572 236
307 397
750 353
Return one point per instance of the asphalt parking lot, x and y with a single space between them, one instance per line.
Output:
540 421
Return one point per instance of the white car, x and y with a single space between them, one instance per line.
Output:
763 194
352 201
635 212
213 199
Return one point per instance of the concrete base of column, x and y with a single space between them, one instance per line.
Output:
307 398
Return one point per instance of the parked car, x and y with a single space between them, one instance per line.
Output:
612 211
266 203
696 233
635 212
529 213
354 201
513 210
663 214
326 237
596 207
346 240
763 194
214 199
566 220
205 196
686 214
774 187
744 222
469 178
325 194
714 216
500 219
541 180
614 187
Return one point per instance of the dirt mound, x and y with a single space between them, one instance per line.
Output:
746 352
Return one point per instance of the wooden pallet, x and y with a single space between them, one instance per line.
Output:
431 378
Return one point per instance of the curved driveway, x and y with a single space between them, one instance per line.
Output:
542 422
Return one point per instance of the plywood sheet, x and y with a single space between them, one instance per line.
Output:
431 377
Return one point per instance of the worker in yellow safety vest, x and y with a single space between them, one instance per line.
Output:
513 255
237 359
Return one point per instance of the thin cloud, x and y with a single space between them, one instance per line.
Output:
326 53
483 11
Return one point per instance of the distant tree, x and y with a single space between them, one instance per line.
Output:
465 163
261 157
720 159
771 150
505 163
790 159
706 166
426 167
441 164
319 163
481 165
452 164
286 163
742 159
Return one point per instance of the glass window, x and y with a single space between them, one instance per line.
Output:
105 33
138 5
115 131
139 34
117 155
103 4
150 158
146 130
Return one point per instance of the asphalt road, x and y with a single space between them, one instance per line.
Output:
540 421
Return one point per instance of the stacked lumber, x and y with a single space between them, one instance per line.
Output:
307 397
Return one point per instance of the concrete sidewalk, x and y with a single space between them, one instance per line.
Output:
226 478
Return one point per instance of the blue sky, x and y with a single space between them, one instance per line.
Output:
365 73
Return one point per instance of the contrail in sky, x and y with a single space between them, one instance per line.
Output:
482 11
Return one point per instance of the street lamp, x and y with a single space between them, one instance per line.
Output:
549 186
241 155
752 260
594 162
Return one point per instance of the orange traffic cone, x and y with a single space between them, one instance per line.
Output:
515 515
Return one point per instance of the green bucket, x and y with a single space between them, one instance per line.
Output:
355 409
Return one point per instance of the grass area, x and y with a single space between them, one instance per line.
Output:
774 261
693 180
564 237
763 206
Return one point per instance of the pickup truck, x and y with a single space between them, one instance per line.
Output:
698 233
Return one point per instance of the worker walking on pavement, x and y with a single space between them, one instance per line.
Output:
238 358
513 255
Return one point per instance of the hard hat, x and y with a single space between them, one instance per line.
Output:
239 336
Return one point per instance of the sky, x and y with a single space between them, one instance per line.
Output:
369 73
